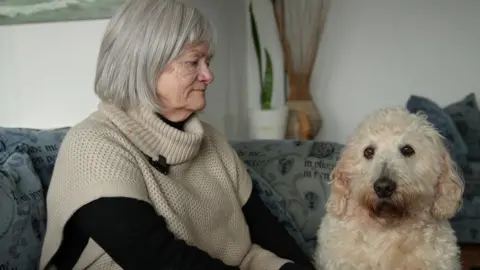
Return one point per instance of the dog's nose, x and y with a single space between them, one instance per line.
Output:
384 187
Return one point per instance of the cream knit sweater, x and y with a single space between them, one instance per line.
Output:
201 198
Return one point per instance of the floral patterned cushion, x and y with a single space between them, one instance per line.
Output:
297 171
443 123
42 145
11 137
276 204
467 222
466 116
23 214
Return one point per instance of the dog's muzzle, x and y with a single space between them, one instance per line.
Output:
384 187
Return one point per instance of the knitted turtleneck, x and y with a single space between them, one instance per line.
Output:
200 198
176 124
155 137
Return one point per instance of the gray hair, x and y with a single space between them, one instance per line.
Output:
139 41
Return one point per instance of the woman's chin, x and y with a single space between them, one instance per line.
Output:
199 105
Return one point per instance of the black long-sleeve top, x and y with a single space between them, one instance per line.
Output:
136 237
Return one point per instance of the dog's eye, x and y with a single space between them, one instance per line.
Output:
407 151
369 152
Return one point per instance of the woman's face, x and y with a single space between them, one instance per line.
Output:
181 87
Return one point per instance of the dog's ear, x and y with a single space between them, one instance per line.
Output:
339 191
448 192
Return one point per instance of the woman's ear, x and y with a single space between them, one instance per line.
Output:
339 191
448 192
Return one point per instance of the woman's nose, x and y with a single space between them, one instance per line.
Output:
206 75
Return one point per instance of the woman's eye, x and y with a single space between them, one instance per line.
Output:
193 63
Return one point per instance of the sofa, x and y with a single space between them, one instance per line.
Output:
290 176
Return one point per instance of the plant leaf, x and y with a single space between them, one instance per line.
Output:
267 87
256 42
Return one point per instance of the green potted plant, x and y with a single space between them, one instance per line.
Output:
267 122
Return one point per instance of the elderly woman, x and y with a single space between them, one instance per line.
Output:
142 183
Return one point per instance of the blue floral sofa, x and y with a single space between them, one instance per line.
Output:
290 176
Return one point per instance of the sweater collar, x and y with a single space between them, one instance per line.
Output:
154 137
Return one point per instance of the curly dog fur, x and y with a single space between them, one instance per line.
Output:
392 193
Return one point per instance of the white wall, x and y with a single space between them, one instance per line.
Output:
376 53
47 71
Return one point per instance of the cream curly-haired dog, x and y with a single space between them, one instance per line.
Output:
393 191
